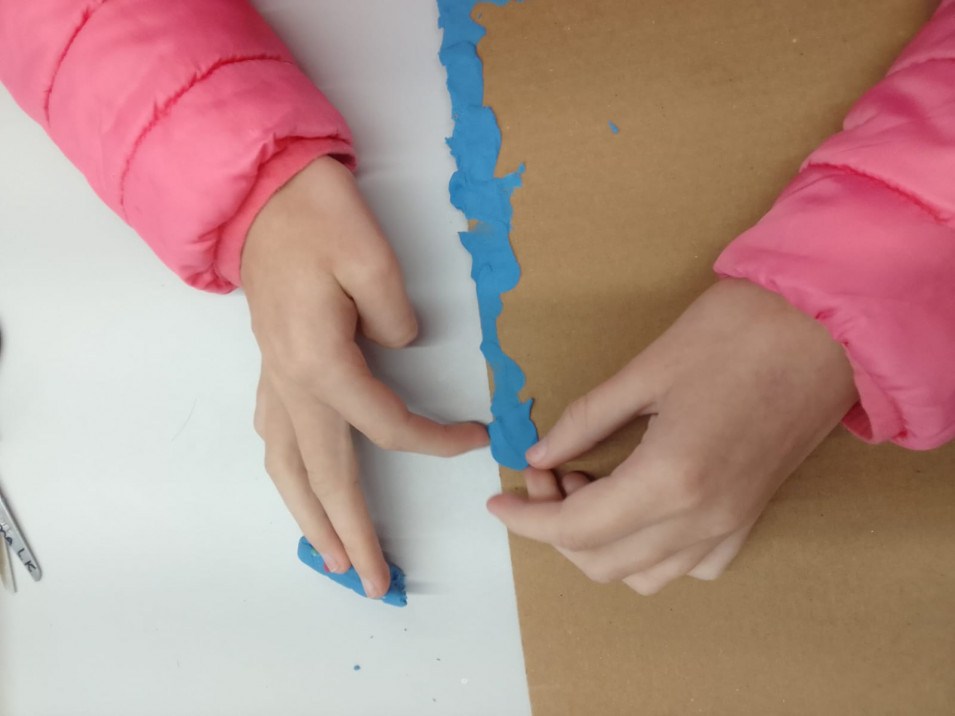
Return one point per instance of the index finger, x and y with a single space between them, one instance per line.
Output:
633 497
325 442
376 411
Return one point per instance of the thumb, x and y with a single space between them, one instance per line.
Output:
594 416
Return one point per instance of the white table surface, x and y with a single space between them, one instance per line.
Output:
171 582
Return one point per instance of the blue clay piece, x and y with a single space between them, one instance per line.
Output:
613 127
396 592
486 200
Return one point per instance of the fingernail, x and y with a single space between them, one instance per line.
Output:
536 452
330 564
371 589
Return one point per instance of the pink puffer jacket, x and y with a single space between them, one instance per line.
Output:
864 241
186 115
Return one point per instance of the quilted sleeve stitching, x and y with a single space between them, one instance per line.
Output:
87 14
900 191
163 110
905 66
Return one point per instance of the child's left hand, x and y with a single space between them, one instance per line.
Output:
317 269
740 389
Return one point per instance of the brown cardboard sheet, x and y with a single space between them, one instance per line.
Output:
843 600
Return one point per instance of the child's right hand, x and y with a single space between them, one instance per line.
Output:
315 268
741 388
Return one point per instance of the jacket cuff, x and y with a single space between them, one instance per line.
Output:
878 271
273 175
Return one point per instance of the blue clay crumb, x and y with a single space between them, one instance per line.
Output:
613 127
357 667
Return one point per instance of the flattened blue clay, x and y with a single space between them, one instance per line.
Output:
396 592
486 200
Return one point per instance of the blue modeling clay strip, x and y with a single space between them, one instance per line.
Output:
396 592
613 127
486 200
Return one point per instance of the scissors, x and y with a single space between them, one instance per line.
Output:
13 541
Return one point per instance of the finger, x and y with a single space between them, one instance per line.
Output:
364 263
719 558
637 495
592 417
541 485
284 464
330 369
324 439
573 481
375 410
377 287
651 581
643 551
537 520
262 393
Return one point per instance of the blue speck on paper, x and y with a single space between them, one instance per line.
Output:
613 127
357 667
395 596
486 200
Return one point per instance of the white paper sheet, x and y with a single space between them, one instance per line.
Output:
171 584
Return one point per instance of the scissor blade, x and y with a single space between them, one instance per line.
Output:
11 534
6 573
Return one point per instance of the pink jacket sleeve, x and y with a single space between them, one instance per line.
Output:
184 115
863 240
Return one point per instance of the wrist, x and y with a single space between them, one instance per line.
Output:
285 187
799 346
277 225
